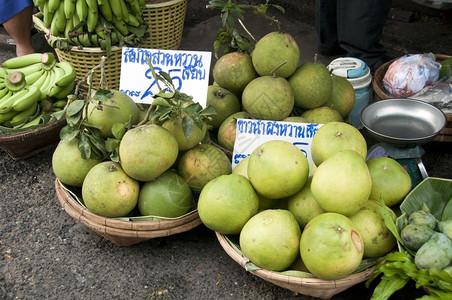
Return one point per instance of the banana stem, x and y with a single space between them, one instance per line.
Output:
16 81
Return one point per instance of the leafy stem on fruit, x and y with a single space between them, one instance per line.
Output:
228 34
91 143
170 103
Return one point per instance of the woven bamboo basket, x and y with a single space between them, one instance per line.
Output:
84 60
380 94
123 232
314 287
28 143
165 20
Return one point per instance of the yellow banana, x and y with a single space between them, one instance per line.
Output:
22 61
32 78
81 8
5 117
91 20
27 100
7 102
69 8
92 5
105 10
21 116
69 74
116 9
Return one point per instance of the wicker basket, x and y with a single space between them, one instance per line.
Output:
28 143
380 93
165 20
324 289
121 232
84 60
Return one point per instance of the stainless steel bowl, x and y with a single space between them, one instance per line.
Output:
403 122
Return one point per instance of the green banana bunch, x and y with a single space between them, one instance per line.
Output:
30 83
78 22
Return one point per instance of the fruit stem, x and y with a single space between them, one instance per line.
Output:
48 61
316 58
273 72
16 81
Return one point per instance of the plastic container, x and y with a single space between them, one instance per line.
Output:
358 74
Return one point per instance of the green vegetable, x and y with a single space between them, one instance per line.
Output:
436 253
414 236
422 217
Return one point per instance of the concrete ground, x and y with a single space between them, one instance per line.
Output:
47 254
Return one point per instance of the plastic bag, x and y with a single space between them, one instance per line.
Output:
410 74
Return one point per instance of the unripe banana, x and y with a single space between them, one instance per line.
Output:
91 20
133 21
116 9
32 78
40 81
27 70
22 61
3 72
7 102
69 74
60 92
45 88
5 117
15 81
121 26
142 3
106 11
60 18
30 98
34 122
92 5
77 26
21 116
60 103
69 9
81 8
53 5
3 92
124 11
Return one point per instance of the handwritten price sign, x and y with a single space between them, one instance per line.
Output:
189 71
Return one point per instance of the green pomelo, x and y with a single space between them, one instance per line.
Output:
147 151
185 142
342 96
225 103
117 109
68 165
304 206
271 239
377 238
242 167
342 183
108 191
296 119
331 246
322 115
166 196
227 131
274 49
311 84
226 203
233 71
268 98
336 136
389 180
277 169
201 164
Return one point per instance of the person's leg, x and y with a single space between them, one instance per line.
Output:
360 26
325 23
19 28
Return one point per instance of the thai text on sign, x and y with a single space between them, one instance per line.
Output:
189 71
251 133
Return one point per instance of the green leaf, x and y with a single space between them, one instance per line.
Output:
112 144
75 107
192 108
208 111
166 76
102 95
84 146
73 120
386 288
68 133
118 130
447 212
187 126
279 7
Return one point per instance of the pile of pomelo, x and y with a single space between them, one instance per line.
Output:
323 219
159 168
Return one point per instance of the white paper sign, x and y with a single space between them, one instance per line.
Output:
251 133
189 71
